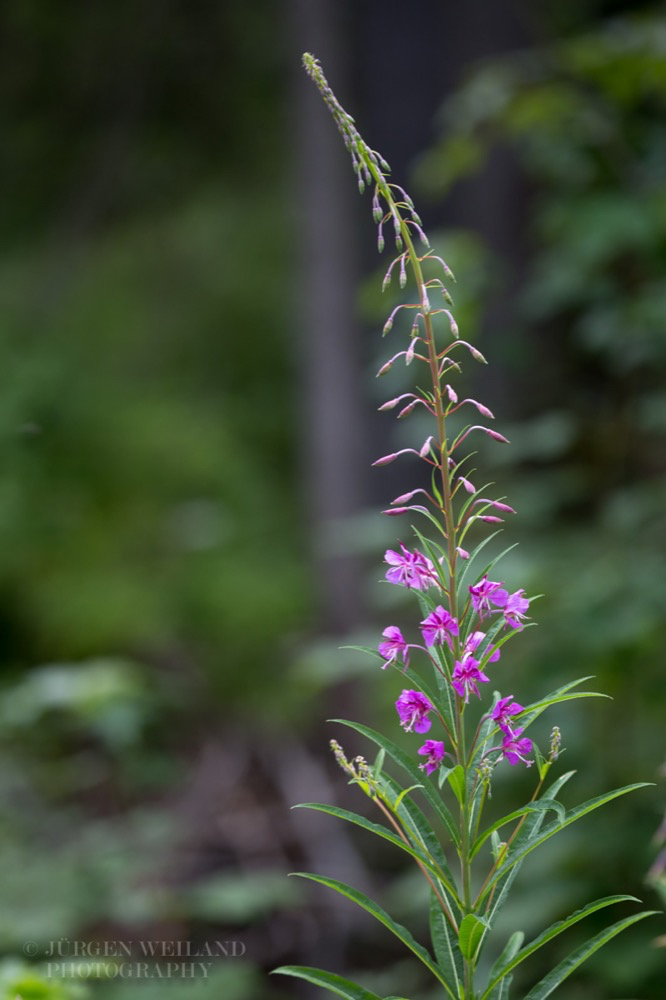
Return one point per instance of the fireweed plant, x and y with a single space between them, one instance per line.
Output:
466 616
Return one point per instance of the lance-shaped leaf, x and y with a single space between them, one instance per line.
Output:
462 592
529 830
457 782
423 837
540 805
412 769
551 932
329 981
445 945
501 991
472 930
533 711
553 828
380 831
554 978
370 906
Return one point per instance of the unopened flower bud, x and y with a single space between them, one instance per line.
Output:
403 272
496 436
483 410
555 743
453 324
391 403
408 409
425 447
386 459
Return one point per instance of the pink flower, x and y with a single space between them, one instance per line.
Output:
438 627
503 711
413 708
466 675
394 648
515 607
515 749
473 643
411 569
434 751
487 592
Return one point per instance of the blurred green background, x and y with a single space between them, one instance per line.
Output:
189 315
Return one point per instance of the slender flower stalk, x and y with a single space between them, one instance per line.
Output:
465 619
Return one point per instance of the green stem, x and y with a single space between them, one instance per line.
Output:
451 536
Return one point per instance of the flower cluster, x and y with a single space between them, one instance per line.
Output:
462 662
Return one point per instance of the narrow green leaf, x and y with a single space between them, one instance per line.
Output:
434 550
406 791
540 805
371 650
553 828
423 837
384 918
401 758
541 762
468 565
378 830
529 830
533 711
328 980
378 765
445 945
551 932
457 782
502 989
471 931
497 845
550 982
443 774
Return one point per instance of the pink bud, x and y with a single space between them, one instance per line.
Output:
403 273
483 410
408 409
395 511
453 396
386 459
463 553
498 437
453 324
496 503
385 368
477 355
409 354
470 487
406 496
394 402
490 518
425 447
